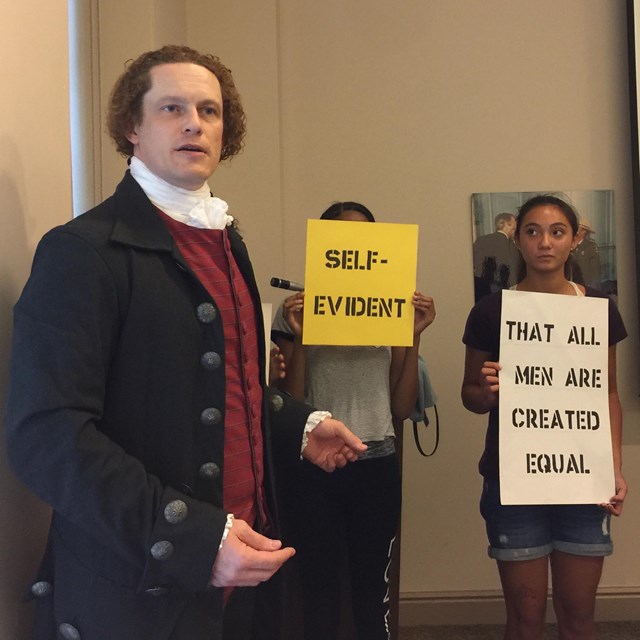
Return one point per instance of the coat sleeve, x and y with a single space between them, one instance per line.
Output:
288 418
66 325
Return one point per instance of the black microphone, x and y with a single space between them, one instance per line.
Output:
286 284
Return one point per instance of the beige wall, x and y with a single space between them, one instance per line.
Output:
409 108
125 30
35 194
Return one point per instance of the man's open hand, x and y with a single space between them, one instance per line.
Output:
332 445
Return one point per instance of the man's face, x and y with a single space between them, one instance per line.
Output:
180 135
509 227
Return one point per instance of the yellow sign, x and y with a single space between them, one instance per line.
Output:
359 280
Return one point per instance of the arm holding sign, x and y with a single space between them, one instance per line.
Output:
615 505
277 368
294 351
480 384
403 373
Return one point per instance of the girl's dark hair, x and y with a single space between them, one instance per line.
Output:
338 208
551 201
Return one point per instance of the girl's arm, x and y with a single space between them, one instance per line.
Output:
480 384
403 374
616 503
293 351
276 366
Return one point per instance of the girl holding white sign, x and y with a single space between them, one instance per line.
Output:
357 512
527 540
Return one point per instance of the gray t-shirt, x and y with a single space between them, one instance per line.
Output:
351 382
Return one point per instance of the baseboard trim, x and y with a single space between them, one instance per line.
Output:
487 607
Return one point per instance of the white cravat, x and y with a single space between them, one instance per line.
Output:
194 208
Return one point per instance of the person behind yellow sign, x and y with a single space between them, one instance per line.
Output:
370 385
525 540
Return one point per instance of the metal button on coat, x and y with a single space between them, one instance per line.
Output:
209 471
210 417
206 312
162 550
41 588
276 402
176 512
69 632
211 360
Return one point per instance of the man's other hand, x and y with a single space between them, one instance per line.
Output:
247 558
332 445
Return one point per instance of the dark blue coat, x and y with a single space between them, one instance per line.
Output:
116 419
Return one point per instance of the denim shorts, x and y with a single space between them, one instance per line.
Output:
533 531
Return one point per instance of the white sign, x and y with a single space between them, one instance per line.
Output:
555 434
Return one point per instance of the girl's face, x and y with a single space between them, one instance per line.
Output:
545 239
352 216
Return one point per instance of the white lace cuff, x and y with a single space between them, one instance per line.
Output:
227 528
313 421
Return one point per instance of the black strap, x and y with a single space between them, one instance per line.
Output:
416 437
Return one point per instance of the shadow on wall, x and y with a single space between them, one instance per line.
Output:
24 524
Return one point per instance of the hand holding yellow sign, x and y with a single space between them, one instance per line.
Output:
359 281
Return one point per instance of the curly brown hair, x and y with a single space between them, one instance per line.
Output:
125 103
